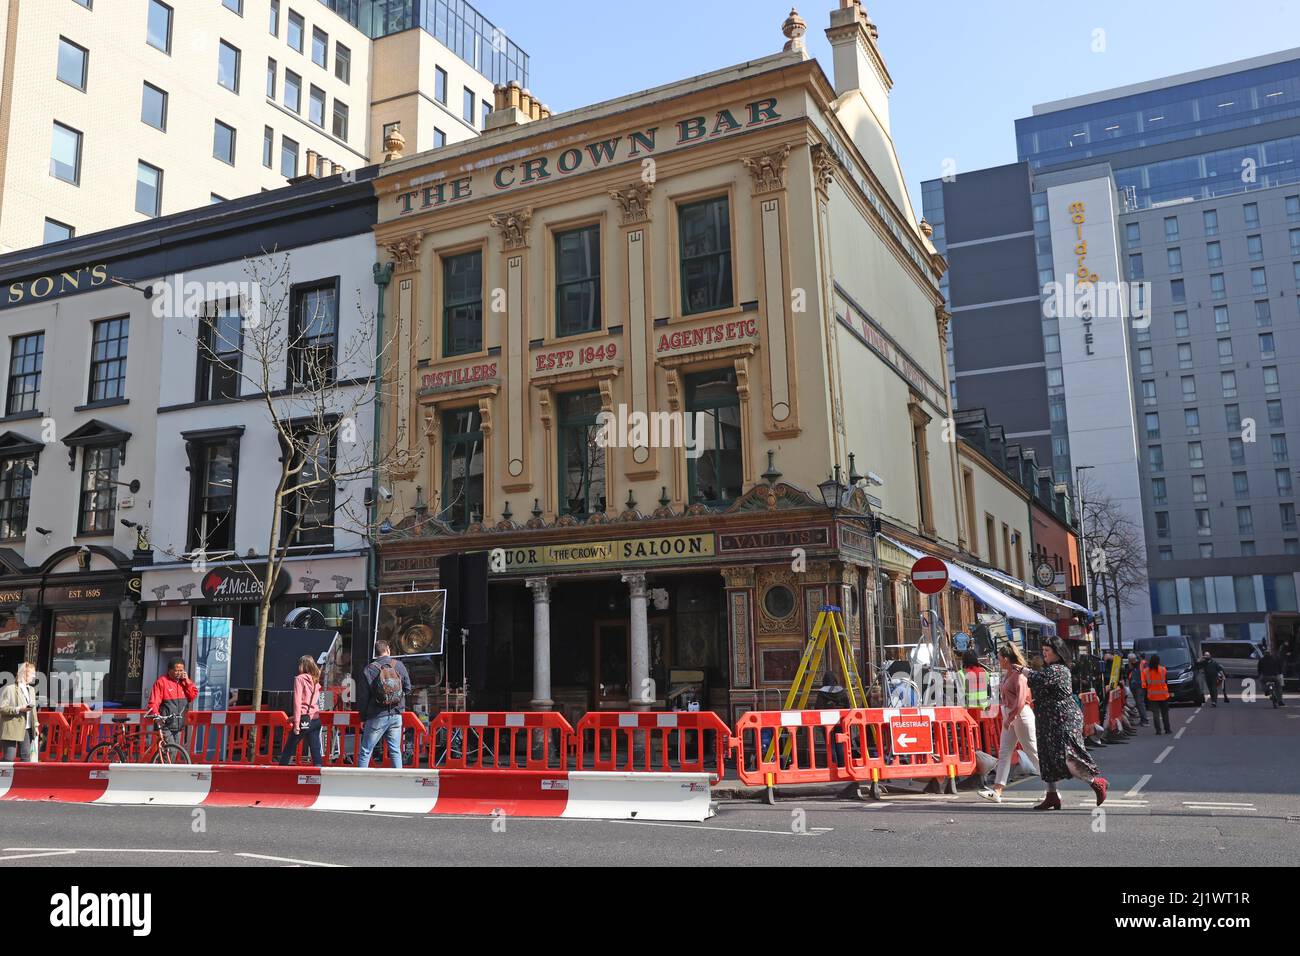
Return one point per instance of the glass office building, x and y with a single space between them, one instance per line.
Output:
455 24
1194 140
1206 178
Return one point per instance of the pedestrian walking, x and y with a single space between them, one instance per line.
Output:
1214 678
1135 687
1155 679
1015 704
304 721
19 727
1059 726
381 699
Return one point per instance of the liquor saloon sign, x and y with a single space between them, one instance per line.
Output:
239 585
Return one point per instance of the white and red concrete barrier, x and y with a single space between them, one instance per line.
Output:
511 793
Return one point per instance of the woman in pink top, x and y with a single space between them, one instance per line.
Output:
1016 707
304 721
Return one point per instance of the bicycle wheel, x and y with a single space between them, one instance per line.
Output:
171 753
105 753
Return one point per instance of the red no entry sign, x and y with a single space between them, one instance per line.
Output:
911 735
930 575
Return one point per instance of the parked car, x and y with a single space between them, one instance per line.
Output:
1177 656
1237 658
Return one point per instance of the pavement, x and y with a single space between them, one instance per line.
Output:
1223 789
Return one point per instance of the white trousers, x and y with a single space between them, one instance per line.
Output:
1021 730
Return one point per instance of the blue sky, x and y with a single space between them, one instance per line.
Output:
963 71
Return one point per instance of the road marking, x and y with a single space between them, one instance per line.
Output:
28 856
285 859
923 796
1116 802
1213 803
1179 735
699 826
93 849
1137 787
1163 754
1197 806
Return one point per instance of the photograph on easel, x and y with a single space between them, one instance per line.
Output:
412 622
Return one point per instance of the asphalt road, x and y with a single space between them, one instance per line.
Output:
1224 789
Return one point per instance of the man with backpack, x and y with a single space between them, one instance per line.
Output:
381 699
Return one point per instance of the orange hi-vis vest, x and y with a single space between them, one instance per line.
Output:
1157 685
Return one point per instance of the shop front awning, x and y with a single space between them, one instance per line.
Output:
1000 579
986 593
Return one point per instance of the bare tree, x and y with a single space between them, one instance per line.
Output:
290 357
1116 554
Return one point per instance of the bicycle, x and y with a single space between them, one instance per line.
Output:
124 743
1273 687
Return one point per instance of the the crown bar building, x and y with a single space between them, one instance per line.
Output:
737 248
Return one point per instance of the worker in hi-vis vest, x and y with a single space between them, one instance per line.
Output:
1155 681
977 681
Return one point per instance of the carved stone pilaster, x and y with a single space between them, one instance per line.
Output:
768 169
634 202
943 317
824 166
513 227
405 252
674 382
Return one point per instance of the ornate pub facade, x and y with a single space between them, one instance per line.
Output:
627 343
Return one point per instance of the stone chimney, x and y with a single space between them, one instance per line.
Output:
313 163
858 63
513 106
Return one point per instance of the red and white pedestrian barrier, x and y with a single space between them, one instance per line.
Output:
511 793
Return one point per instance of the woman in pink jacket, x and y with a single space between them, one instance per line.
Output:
1016 707
304 721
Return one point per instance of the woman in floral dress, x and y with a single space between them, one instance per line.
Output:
1060 726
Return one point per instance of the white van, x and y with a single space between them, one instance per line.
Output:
1237 658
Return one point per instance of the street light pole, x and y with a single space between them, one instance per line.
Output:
1083 533
834 494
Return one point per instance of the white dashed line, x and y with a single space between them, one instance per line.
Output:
284 859
1137 787
1163 754
94 849
1179 735
696 826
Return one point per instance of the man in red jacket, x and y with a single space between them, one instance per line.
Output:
171 696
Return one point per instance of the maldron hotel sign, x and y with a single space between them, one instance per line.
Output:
632 147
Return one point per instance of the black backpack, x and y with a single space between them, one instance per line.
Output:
387 686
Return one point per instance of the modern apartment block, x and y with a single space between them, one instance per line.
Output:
1195 182
117 111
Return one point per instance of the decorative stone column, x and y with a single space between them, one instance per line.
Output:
541 589
639 692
